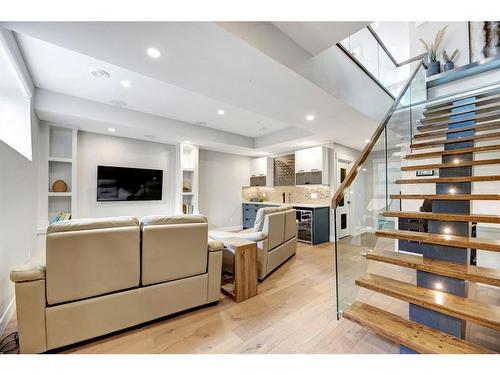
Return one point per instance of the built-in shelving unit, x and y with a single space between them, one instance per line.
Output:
61 164
187 179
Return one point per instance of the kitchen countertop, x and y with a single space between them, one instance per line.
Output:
306 205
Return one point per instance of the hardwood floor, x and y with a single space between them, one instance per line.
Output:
294 312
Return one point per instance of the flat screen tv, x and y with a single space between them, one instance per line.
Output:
128 184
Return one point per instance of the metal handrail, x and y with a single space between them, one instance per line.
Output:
339 194
388 53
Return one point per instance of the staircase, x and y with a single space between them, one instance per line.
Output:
455 131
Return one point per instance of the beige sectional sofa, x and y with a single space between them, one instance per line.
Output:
104 275
275 231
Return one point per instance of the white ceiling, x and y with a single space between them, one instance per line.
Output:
203 68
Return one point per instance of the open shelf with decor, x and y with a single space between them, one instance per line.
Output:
187 179
61 172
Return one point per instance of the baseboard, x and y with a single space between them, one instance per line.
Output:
229 229
7 315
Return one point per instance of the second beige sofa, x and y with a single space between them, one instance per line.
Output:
101 277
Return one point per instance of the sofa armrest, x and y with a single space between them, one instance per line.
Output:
28 272
253 236
215 246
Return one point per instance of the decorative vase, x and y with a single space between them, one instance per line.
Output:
434 67
59 186
450 65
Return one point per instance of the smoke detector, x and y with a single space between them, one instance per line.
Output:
100 74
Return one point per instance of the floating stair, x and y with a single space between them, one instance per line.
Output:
415 336
460 271
435 125
479 108
433 154
478 127
458 307
441 239
449 197
448 179
494 219
450 165
478 98
481 137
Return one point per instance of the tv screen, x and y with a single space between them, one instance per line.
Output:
128 184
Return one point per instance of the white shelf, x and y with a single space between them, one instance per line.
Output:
60 160
187 193
64 194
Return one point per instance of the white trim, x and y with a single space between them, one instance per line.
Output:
7 315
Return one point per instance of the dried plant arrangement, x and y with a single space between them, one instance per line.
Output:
433 47
447 58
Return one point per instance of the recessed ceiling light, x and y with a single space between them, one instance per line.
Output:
367 141
112 130
364 169
221 112
118 103
153 52
125 83
100 74
310 117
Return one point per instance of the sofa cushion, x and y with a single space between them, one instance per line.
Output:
85 263
89 224
263 212
167 220
173 247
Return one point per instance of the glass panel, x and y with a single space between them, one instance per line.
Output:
370 195
396 37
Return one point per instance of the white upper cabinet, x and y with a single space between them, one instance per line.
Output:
312 159
258 166
262 167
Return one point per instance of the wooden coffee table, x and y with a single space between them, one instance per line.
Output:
244 283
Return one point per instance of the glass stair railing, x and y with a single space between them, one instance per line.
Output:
365 192
371 54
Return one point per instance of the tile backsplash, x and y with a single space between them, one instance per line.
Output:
319 194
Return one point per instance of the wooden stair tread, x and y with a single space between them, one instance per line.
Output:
473 218
461 112
440 107
434 154
415 336
450 165
441 239
455 140
449 304
434 124
478 127
449 197
448 179
440 267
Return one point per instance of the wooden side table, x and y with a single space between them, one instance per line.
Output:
244 283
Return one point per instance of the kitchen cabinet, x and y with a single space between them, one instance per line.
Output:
261 171
311 166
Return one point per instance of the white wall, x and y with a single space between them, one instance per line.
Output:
220 181
456 37
18 216
97 149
